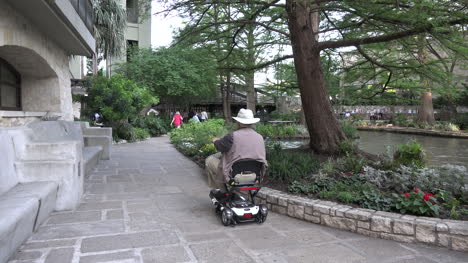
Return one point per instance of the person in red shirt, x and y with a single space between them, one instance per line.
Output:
177 120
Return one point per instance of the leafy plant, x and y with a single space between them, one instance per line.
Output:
349 129
417 203
287 166
409 154
116 99
141 134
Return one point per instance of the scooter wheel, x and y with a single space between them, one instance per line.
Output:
261 218
225 218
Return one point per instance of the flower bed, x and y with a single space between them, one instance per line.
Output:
404 228
402 184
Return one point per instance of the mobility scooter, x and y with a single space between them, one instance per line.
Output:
235 205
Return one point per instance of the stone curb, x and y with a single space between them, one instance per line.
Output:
451 234
415 131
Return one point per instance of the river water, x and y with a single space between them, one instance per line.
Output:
440 150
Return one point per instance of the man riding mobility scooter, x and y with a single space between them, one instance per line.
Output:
235 205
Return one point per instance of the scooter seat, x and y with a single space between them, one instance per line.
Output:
245 178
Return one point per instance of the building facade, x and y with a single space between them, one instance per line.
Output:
138 32
37 40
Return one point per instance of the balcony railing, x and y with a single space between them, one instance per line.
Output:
84 8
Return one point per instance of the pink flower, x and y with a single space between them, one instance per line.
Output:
406 194
361 172
416 190
343 175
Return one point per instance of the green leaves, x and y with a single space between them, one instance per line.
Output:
184 75
117 98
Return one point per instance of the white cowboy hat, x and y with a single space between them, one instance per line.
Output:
246 117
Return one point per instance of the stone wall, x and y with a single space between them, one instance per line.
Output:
451 234
42 64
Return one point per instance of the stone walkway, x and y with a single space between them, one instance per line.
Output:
150 204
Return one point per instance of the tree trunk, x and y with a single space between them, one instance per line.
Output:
250 74
225 91
426 110
108 67
324 129
95 64
251 98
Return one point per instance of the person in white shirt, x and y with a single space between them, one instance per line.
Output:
203 116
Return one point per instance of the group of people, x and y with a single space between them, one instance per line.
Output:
178 119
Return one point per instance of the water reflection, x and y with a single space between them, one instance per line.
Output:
439 150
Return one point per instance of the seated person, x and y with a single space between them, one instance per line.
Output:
244 143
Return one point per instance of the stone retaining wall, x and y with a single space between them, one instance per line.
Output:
451 234
462 135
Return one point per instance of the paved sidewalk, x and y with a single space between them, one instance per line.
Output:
150 204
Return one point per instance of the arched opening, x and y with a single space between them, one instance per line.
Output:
32 84
10 87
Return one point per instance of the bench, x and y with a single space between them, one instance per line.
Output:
23 209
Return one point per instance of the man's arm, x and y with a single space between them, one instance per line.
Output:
224 144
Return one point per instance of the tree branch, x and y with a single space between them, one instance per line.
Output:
384 38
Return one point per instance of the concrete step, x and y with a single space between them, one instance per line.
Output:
64 150
26 207
91 157
105 142
68 174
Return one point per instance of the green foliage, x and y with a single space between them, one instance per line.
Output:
154 125
375 199
181 74
110 24
292 116
410 154
461 120
350 163
285 166
400 119
417 203
349 129
193 138
347 147
116 99
123 131
141 134
278 131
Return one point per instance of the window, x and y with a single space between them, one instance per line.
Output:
10 88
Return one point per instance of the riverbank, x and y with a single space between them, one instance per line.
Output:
415 131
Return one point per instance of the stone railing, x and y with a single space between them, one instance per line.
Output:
451 234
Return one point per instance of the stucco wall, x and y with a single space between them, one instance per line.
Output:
43 65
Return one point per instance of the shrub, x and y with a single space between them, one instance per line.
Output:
191 137
461 120
279 131
349 129
350 163
375 199
409 154
400 119
347 147
154 125
287 166
450 178
116 99
417 202
123 131
292 116
141 134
